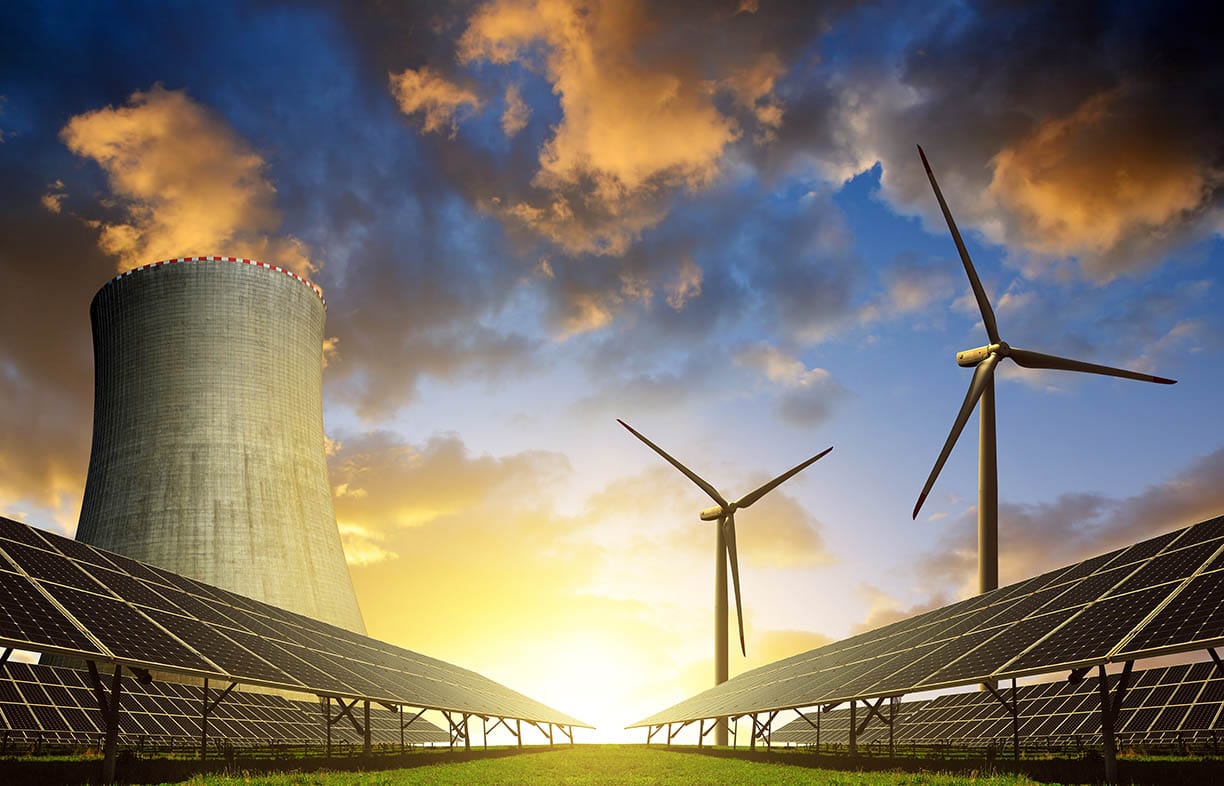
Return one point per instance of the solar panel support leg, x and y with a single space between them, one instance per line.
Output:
467 738
1215 658
518 733
892 725
484 731
1110 707
1015 721
365 737
110 715
752 736
853 728
207 708
1013 709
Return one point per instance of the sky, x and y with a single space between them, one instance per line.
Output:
709 219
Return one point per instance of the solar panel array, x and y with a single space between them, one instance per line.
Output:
53 704
1158 596
61 596
1163 704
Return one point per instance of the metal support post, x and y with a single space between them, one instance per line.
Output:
365 736
110 716
853 728
328 723
467 738
484 731
1109 716
518 725
1215 658
208 707
892 725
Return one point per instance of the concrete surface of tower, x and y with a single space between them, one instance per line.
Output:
208 455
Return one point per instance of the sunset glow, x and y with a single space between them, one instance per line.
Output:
533 217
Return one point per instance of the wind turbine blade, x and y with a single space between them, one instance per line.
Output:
988 317
1037 360
688 473
748 499
981 375
728 525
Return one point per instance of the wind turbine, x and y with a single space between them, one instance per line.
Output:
724 514
983 361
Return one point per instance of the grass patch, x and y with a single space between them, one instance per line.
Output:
609 765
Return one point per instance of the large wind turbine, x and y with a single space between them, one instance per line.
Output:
983 361
724 514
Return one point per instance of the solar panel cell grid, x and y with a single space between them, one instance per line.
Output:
1212 692
1088 589
21 533
1170 718
1087 567
28 618
1097 629
132 589
43 564
1194 614
1145 549
1207 530
231 658
1201 716
1159 696
125 632
998 648
1172 566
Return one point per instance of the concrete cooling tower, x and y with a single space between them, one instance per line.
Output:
208 456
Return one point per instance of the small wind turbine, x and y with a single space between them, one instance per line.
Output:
724 514
983 361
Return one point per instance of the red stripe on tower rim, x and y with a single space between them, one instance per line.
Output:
254 262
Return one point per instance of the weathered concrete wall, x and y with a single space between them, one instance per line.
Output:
208 454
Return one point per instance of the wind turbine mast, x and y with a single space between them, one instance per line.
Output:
983 361
725 554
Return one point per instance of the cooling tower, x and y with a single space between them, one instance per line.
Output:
208 456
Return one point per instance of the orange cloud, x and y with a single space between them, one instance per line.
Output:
686 286
631 126
1098 183
806 395
187 184
430 93
516 114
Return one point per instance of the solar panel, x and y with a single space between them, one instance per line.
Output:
1183 700
1193 615
120 610
33 702
29 621
1150 598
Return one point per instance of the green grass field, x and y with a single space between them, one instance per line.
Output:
591 765
595 765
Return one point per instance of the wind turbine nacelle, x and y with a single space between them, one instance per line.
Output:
711 514
971 357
